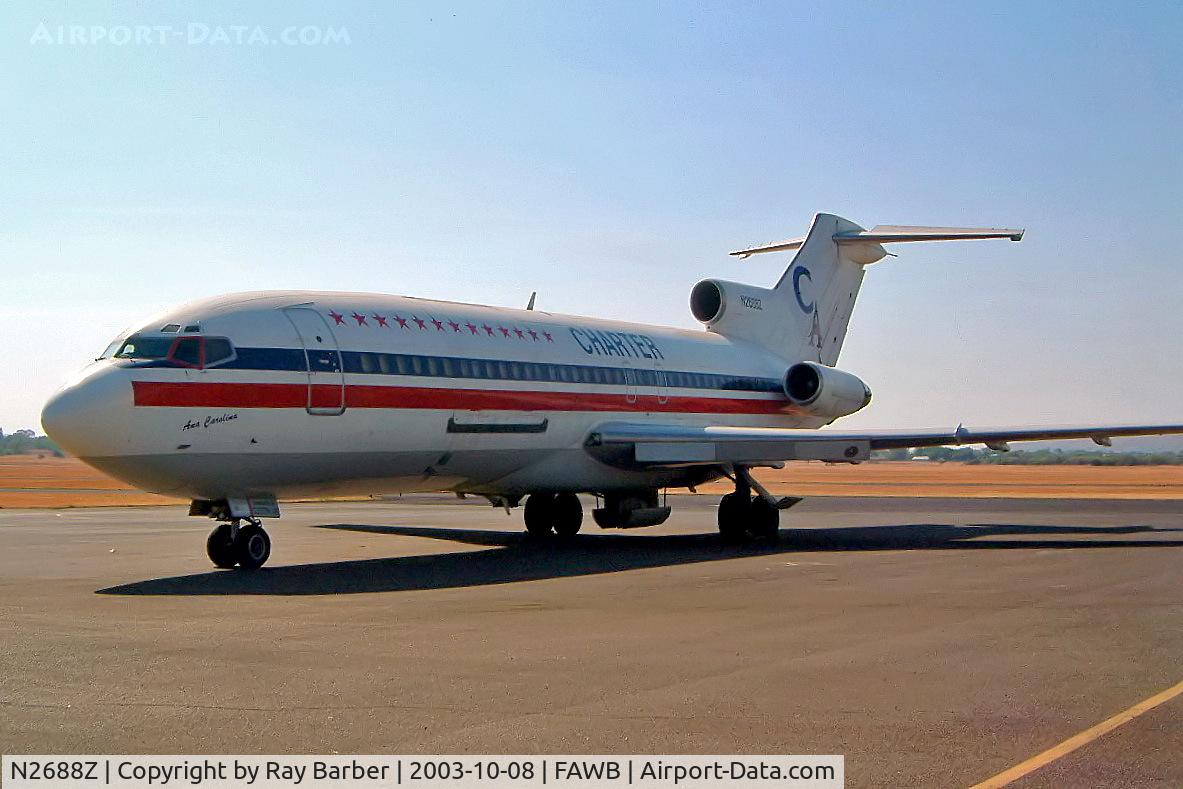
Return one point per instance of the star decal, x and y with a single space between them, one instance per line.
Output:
471 327
361 319
402 322
439 325
521 334
546 334
422 324
455 326
504 331
336 316
381 320
488 329
533 335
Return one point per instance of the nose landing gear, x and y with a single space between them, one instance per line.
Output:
248 546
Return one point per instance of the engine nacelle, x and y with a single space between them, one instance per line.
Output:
825 391
735 309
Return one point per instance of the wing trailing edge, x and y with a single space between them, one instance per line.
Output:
655 444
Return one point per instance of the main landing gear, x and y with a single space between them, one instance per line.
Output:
747 518
246 545
548 513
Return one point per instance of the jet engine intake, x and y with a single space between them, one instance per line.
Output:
825 391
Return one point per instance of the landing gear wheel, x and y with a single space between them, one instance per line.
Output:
539 514
763 524
253 546
220 547
734 511
567 514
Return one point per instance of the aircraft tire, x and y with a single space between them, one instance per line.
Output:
253 546
567 515
734 511
763 523
220 548
539 514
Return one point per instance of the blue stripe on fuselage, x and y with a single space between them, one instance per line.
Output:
424 366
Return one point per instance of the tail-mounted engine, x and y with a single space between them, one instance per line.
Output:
825 391
739 311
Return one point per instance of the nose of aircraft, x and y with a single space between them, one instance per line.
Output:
79 418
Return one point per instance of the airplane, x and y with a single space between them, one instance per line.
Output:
239 401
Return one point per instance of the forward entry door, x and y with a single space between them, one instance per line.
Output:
326 378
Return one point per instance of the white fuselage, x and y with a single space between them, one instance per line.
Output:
349 393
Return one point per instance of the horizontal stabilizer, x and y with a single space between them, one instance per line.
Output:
891 234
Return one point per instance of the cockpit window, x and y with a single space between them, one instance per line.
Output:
186 352
137 347
111 349
217 350
172 327
196 352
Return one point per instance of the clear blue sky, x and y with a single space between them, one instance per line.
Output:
609 155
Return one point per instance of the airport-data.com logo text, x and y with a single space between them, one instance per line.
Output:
190 34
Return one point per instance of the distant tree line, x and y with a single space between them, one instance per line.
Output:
24 442
1039 457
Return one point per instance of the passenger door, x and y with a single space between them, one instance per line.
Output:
630 384
663 392
326 378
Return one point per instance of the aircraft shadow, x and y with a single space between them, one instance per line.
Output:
514 556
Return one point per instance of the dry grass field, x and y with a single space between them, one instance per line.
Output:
46 481
32 481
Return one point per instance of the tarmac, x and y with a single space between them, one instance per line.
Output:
933 642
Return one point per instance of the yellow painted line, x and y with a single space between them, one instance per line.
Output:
1080 740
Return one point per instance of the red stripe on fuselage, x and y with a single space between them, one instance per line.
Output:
261 395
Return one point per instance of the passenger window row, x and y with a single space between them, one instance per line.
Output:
496 369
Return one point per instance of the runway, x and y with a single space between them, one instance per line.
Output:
934 642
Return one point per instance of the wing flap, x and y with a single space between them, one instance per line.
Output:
678 445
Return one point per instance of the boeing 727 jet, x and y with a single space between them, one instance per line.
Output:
240 401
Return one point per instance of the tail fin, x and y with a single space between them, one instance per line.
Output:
812 303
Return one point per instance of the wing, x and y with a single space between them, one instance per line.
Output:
622 443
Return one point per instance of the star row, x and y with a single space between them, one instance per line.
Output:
458 328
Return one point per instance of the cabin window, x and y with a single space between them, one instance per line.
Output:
368 363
